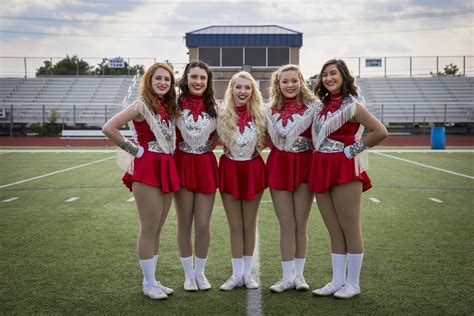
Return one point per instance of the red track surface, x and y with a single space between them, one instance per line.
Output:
395 140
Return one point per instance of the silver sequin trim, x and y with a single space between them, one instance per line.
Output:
301 144
200 150
331 146
357 148
154 147
241 156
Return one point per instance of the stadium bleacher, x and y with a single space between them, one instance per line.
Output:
89 101
420 99
79 100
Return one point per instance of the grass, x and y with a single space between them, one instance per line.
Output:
80 257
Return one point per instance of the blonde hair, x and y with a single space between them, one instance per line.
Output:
227 118
276 97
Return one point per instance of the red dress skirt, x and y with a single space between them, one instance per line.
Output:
197 172
242 179
158 170
330 169
286 170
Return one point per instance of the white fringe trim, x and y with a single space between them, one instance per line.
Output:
361 161
125 160
200 139
284 142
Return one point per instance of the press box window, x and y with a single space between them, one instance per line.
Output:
278 56
232 56
210 55
255 56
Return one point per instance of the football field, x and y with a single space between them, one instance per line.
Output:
68 231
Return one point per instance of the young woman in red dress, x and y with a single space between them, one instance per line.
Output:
241 126
338 175
153 176
289 126
197 168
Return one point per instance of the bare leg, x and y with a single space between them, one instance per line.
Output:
284 209
250 214
150 203
203 204
168 198
184 202
329 215
233 211
347 201
303 199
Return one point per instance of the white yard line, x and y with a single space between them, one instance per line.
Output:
57 151
72 199
10 199
436 200
131 199
55 172
426 166
374 200
254 297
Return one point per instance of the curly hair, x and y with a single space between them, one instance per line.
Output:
348 82
208 93
227 119
276 96
149 95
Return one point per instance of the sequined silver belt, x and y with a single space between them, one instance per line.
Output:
241 156
154 147
183 146
301 144
331 146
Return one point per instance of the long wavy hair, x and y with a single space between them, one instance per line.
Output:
149 95
227 119
348 82
208 93
276 96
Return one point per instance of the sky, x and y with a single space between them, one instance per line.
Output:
149 30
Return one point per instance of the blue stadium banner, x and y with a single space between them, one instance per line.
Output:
373 62
117 62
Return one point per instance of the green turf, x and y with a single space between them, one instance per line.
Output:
80 257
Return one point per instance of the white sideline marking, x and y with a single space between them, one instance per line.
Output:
55 172
374 200
10 199
266 201
254 297
131 199
427 166
436 200
72 199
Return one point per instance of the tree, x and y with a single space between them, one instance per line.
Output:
103 68
449 70
68 66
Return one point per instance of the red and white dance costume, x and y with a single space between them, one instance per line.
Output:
196 163
242 172
156 167
289 128
332 131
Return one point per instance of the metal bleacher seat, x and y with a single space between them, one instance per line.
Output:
420 99
79 100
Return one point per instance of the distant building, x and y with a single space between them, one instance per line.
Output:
258 49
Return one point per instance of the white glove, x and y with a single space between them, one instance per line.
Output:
347 152
140 152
